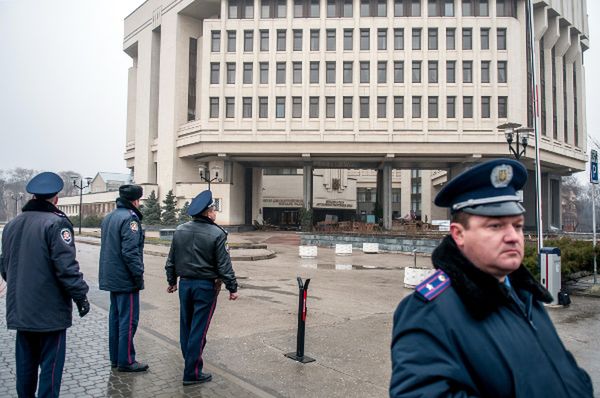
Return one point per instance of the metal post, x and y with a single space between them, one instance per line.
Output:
80 206
536 125
594 229
299 354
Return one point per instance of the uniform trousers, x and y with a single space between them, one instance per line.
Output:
198 299
40 350
123 320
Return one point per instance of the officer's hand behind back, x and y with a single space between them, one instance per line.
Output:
233 296
83 306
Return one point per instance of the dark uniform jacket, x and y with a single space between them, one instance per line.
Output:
476 337
38 263
122 250
199 251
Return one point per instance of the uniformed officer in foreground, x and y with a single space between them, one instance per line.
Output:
477 327
42 274
122 274
200 258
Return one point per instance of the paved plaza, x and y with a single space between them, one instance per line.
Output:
351 300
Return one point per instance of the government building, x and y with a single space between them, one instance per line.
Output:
348 107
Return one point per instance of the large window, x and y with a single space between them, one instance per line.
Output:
297 72
485 38
416 38
247 75
297 45
399 39
231 41
339 8
280 73
229 107
347 107
192 66
485 71
502 72
468 107
329 107
347 72
440 8
215 41
467 71
416 71
416 107
215 71
281 39
450 71
314 40
214 108
373 8
485 107
241 9
506 8
365 39
364 107
467 39
398 71
348 39
432 71
432 107
451 107
475 8
314 72
263 107
264 40
306 8
432 39
381 107
407 8
279 107
264 72
330 40
382 72
248 40
246 107
230 72
382 39
503 107
450 39
330 72
398 107
296 107
501 38
273 8
365 72
313 107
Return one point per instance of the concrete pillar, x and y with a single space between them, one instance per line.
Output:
386 199
307 186
257 195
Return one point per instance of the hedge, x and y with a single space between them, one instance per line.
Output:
576 256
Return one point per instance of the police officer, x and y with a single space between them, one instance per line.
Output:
122 274
200 258
478 326
43 277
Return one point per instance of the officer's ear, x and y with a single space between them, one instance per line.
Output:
457 231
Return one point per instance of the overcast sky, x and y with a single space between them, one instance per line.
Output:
63 83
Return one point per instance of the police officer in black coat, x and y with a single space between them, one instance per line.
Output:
43 277
477 327
200 258
121 273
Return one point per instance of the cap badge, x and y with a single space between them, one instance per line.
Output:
501 176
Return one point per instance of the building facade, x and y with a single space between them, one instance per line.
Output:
224 90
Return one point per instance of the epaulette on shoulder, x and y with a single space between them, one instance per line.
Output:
132 213
434 285
63 215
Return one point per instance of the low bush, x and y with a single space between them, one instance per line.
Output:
575 256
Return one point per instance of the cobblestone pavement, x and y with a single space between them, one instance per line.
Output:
87 371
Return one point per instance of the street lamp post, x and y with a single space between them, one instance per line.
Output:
81 187
16 197
517 138
205 175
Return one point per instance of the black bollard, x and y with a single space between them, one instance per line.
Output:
299 354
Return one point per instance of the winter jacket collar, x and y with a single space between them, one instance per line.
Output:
206 220
45 206
124 203
480 292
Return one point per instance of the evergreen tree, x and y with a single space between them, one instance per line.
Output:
183 213
169 210
151 210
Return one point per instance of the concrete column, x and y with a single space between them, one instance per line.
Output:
386 198
561 47
405 192
307 186
426 198
257 195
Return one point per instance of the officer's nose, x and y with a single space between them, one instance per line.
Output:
511 234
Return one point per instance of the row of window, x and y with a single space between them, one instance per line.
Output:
369 8
364 72
364 107
314 41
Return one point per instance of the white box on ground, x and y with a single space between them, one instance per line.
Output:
343 249
550 271
414 276
370 247
307 251
443 225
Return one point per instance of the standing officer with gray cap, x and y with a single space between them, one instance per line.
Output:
200 258
122 274
477 327
42 274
